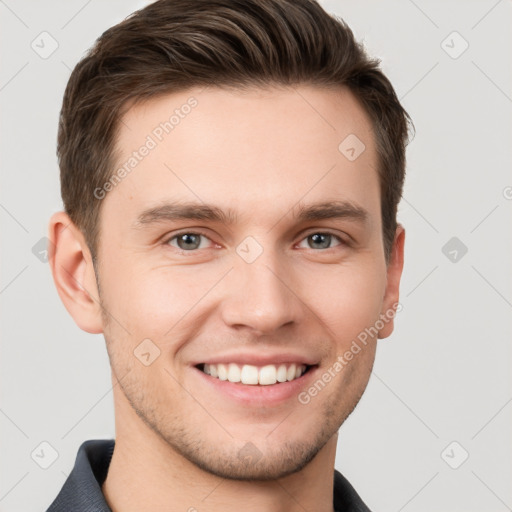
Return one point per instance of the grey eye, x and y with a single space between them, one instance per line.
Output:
322 240
187 241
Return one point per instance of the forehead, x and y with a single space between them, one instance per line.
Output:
245 149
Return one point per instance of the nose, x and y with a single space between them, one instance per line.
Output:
260 296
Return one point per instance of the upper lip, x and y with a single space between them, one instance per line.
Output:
258 359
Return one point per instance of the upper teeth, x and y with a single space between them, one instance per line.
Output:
249 374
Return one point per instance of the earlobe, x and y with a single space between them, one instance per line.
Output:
73 273
392 293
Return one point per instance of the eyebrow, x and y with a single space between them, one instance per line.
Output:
201 211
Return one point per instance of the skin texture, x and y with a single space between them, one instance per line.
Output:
259 153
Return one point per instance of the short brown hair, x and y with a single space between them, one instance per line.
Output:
173 45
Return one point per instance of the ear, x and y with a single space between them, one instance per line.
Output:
390 304
73 273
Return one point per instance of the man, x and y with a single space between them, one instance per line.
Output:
230 174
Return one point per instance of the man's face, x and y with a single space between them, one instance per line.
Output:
263 287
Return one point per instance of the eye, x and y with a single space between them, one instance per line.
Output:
188 241
191 241
322 240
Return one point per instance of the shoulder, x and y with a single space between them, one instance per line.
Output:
82 489
346 498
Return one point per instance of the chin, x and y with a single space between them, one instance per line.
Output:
246 462
257 466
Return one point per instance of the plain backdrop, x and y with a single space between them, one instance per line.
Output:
432 431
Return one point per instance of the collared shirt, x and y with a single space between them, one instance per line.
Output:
81 491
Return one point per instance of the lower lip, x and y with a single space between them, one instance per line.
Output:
246 394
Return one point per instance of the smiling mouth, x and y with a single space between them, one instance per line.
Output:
255 375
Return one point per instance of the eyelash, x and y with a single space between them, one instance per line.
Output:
192 251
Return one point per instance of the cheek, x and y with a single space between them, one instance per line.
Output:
350 300
150 302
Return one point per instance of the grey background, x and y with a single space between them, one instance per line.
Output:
443 376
